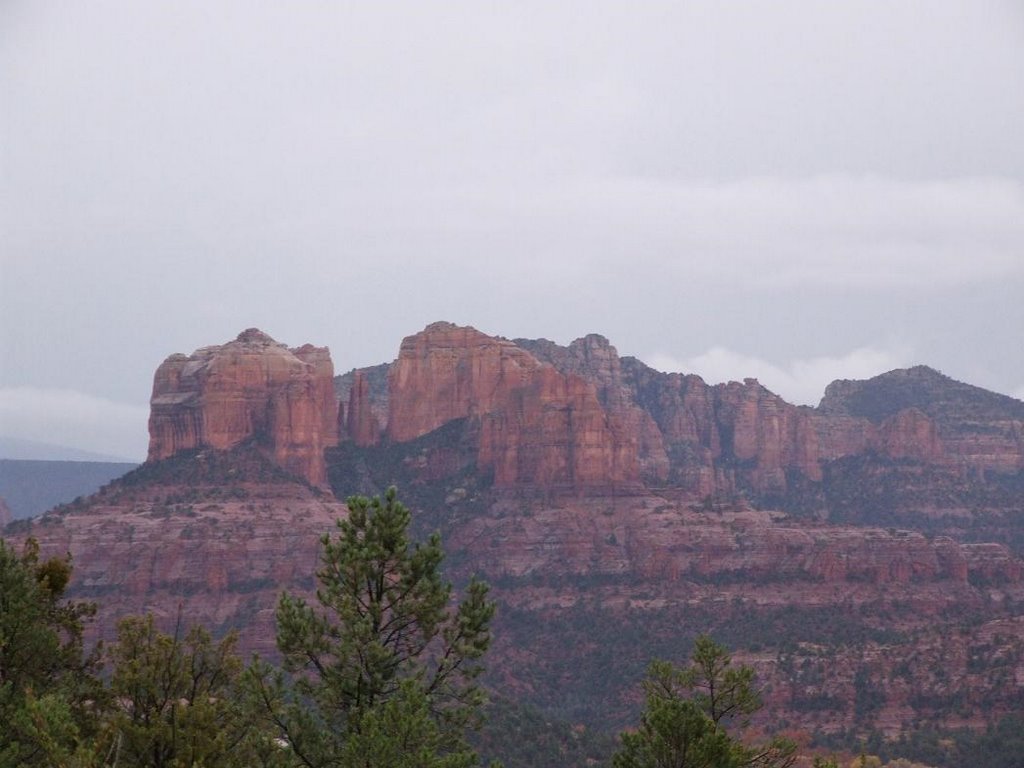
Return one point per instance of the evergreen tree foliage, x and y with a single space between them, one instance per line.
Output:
49 693
687 710
177 705
383 671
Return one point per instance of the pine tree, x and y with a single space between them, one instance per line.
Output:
177 705
687 710
383 671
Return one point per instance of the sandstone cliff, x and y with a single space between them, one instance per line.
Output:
582 419
597 361
250 389
536 426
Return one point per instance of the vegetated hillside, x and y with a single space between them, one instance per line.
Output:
849 626
865 566
212 535
522 736
948 401
31 487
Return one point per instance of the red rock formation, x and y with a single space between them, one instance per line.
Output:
606 422
218 545
996 445
911 435
597 361
361 425
993 564
448 372
769 433
575 417
840 435
222 545
740 436
364 407
538 426
771 438
670 543
686 549
252 388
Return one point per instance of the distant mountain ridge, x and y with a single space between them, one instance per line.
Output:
32 450
935 394
32 487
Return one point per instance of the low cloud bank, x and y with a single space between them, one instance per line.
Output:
800 381
75 419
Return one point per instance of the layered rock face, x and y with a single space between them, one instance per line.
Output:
250 389
739 437
215 536
592 588
595 360
679 547
361 424
584 419
535 426
218 537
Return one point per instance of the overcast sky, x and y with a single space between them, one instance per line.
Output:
789 190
